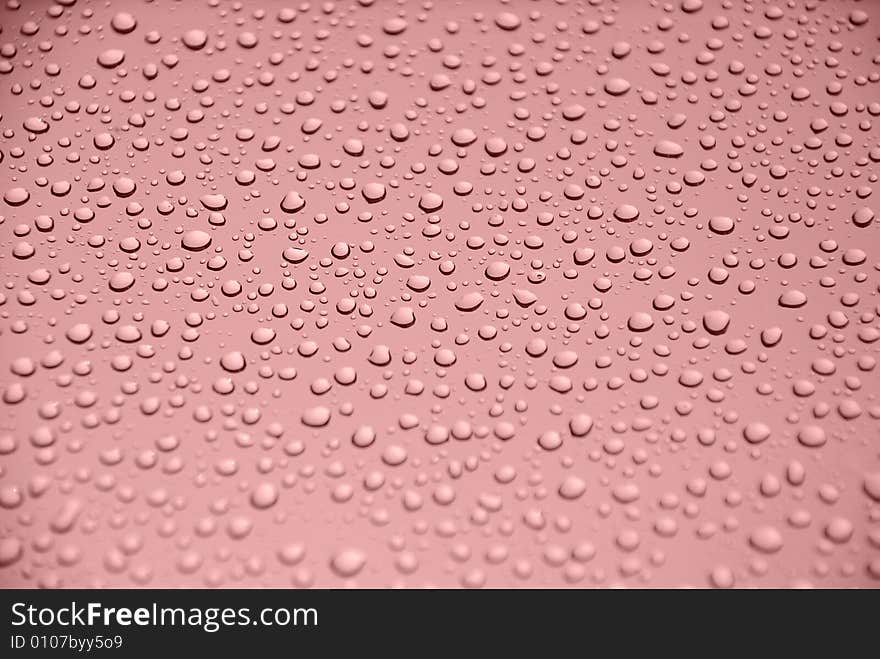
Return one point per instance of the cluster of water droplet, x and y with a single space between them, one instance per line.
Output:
406 293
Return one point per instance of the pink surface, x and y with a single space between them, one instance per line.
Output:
439 294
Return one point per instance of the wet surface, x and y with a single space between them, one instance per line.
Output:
431 293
